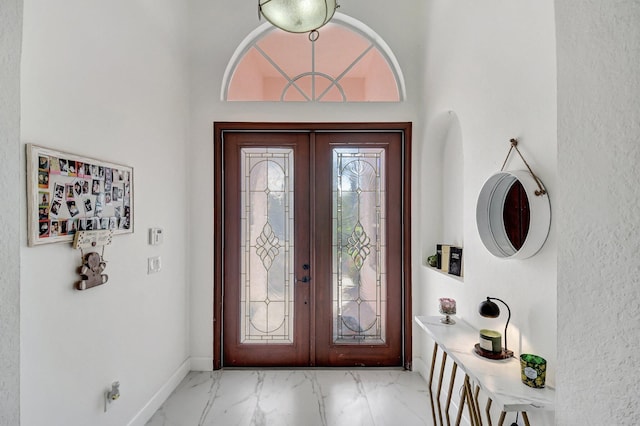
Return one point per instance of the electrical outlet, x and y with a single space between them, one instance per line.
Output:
111 395
154 264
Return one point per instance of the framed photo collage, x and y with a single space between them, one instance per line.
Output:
68 193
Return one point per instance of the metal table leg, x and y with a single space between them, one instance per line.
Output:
461 407
444 361
433 364
474 413
452 380
487 410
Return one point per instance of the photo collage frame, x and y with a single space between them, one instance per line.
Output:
70 193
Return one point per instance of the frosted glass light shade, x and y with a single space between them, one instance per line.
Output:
298 16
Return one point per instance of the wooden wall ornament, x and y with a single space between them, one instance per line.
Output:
93 263
90 239
91 271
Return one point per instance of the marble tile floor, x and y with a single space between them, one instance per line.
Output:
318 397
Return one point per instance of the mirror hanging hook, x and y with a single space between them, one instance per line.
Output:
514 144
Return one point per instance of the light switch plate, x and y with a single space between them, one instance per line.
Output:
154 264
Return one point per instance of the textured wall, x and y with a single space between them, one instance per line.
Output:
10 44
599 212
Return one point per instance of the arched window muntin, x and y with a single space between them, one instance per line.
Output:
334 83
346 22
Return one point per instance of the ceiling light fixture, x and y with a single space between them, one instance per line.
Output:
298 16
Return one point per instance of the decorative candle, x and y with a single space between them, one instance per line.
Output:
491 340
533 370
447 306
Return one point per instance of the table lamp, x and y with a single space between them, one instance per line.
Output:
489 309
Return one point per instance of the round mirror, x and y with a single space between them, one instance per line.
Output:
512 221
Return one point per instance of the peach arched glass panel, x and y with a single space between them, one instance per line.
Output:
348 62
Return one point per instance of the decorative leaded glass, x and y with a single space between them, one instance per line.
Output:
348 62
266 296
359 246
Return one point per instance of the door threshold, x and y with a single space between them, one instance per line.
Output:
355 367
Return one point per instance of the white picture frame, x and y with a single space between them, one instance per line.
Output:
68 192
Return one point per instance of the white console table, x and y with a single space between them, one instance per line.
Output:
500 379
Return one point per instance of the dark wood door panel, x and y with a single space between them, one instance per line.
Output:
328 352
237 353
313 341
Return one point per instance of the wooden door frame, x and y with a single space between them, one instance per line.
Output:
218 187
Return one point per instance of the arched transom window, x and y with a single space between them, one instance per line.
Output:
347 62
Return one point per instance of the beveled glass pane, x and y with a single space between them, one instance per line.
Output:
359 246
266 249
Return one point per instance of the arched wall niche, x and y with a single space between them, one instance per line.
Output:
453 184
443 195
349 62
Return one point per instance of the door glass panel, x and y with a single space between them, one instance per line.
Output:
266 296
359 246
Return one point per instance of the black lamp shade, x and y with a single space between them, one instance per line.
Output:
489 309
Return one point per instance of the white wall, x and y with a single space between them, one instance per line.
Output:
107 80
10 46
599 215
493 64
212 45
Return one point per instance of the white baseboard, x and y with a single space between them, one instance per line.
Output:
201 364
421 367
161 395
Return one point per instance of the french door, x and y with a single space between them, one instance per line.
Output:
312 248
